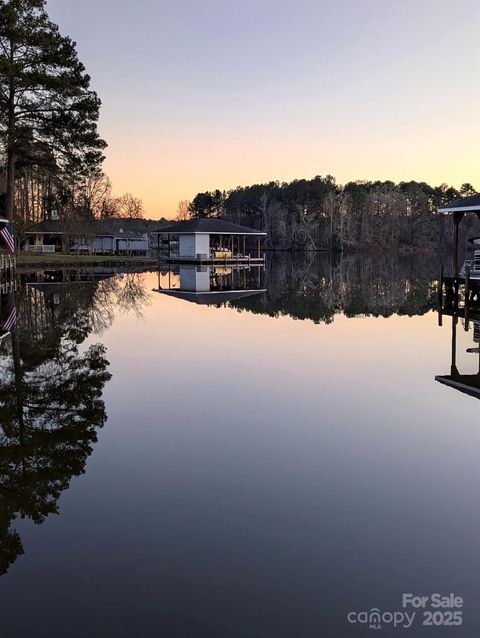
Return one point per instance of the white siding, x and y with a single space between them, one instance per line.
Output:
187 246
132 244
194 279
202 245
193 245
103 244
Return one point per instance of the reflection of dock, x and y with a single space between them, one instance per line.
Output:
7 273
210 285
459 297
466 383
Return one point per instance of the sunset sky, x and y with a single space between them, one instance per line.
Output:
204 94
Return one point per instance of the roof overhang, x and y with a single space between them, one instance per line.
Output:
469 204
190 232
210 297
468 384
45 232
459 209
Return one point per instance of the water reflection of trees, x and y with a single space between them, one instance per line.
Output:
51 390
317 287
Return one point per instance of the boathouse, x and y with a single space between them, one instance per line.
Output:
458 208
209 240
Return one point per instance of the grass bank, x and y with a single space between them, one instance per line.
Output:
59 261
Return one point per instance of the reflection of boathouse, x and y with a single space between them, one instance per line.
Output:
459 298
466 383
209 240
211 285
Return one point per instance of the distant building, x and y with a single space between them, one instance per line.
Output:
107 237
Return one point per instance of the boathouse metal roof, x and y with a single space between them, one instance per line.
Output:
212 297
206 226
462 205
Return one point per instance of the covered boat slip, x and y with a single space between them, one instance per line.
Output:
209 241
458 209
471 267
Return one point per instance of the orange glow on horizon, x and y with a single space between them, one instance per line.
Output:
162 174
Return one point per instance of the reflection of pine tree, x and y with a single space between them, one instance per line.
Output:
50 408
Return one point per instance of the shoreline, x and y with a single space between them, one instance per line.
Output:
25 262
29 262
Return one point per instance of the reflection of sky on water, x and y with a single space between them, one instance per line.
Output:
260 476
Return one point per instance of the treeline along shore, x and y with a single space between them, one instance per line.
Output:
319 214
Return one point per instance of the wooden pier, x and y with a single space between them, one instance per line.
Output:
236 260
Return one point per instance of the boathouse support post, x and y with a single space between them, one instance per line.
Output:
467 297
457 218
440 298
453 369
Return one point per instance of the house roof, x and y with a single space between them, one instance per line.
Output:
112 227
47 227
462 205
206 226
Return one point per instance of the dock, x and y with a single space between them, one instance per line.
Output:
199 260
459 297
8 265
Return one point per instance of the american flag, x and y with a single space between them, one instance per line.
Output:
7 235
11 320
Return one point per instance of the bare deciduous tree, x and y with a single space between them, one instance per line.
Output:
183 210
130 207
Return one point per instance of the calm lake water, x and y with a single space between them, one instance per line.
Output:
235 454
